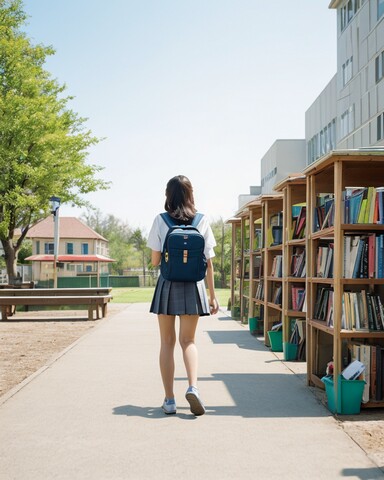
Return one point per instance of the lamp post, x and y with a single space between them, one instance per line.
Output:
55 205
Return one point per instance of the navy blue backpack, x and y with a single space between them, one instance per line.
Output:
182 258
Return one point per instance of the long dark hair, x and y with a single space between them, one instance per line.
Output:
179 202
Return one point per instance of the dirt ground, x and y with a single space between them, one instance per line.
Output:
28 342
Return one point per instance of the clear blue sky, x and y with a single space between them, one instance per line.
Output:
201 88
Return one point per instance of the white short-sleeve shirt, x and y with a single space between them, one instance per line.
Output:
159 231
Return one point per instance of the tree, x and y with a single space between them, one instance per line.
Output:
222 259
43 143
118 235
139 241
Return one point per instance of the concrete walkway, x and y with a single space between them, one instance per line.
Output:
94 413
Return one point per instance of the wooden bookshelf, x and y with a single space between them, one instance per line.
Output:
272 208
328 181
235 223
256 260
293 189
248 258
245 265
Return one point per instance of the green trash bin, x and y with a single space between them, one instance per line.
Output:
255 325
276 340
290 350
349 398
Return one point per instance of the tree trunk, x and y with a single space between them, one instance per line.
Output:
144 268
10 256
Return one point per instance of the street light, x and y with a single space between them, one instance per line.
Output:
55 205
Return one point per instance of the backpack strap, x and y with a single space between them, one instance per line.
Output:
170 223
197 219
167 219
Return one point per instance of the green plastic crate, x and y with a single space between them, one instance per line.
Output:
349 398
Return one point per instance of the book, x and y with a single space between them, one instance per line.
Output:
353 370
371 255
355 198
351 247
363 207
300 222
359 253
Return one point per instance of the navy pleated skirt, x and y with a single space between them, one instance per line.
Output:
180 298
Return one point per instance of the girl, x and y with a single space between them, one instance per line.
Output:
188 300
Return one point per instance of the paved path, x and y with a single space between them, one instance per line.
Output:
94 413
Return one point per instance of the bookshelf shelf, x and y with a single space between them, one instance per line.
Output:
354 227
331 198
272 220
293 190
326 233
297 242
295 313
274 306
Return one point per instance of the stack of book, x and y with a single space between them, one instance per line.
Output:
362 311
260 291
298 262
277 266
298 298
276 295
324 305
364 256
363 205
372 356
324 211
299 214
324 260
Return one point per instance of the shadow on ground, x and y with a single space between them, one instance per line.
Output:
252 396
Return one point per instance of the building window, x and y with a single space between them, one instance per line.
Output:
380 8
268 177
323 142
49 248
347 71
37 247
379 64
69 248
88 268
380 127
348 11
71 267
84 248
347 124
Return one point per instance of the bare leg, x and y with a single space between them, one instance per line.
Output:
167 362
188 324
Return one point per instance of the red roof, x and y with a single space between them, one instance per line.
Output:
69 258
69 227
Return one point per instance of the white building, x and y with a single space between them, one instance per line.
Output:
283 158
349 112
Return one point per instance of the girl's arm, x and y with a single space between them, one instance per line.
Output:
156 257
213 303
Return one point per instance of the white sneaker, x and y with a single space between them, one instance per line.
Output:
195 403
169 406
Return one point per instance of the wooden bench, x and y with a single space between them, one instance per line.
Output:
95 299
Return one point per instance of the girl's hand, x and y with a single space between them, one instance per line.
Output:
213 306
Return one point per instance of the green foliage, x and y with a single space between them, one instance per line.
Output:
127 247
139 241
43 143
25 251
222 259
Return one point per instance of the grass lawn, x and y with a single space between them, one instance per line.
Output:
144 295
